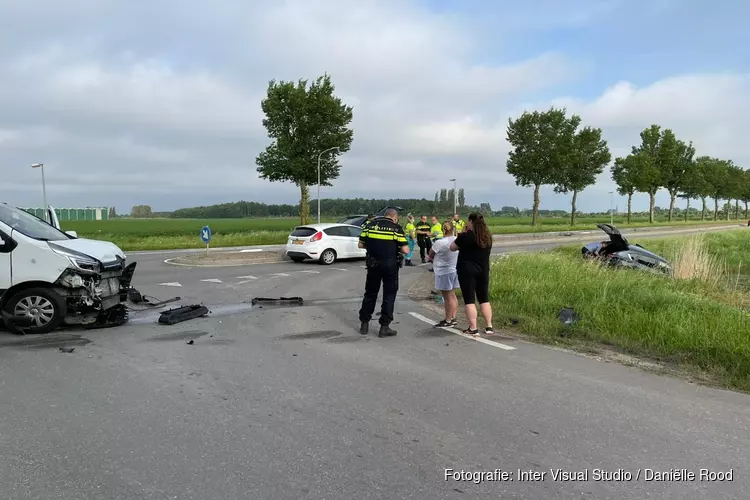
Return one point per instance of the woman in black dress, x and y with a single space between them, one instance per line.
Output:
473 269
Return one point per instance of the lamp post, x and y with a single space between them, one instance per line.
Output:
44 189
455 202
611 208
321 154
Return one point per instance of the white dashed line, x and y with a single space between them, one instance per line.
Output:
457 332
212 280
338 269
310 272
280 274
251 250
174 283
243 282
246 278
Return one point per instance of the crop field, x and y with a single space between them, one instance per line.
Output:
699 320
165 234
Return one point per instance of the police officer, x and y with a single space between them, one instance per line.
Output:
423 237
386 246
458 224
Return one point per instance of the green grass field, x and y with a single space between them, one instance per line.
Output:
165 234
699 320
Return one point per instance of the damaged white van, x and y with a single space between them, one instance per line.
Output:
49 277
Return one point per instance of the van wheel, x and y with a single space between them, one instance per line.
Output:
34 310
328 257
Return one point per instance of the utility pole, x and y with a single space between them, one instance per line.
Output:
44 190
612 208
455 194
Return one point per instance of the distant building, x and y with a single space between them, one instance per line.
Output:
68 214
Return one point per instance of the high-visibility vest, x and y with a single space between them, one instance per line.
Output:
410 230
437 231
459 225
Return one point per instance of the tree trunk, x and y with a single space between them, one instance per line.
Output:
729 208
746 209
630 205
705 208
716 209
651 204
672 196
573 208
736 209
304 204
687 209
535 211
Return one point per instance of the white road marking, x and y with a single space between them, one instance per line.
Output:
460 334
174 283
310 272
338 269
279 274
212 280
246 278
243 282
251 250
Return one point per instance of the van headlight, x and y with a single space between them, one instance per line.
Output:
80 261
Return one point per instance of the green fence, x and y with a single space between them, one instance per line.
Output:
68 214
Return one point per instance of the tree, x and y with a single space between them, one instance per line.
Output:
303 122
675 159
624 174
745 193
734 187
542 144
703 188
461 198
690 185
141 211
716 175
112 213
589 156
651 154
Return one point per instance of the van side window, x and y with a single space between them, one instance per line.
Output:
6 245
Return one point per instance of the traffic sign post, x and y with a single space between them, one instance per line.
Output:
206 237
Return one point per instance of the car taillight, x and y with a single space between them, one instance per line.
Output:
317 236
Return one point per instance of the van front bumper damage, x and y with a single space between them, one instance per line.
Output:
96 299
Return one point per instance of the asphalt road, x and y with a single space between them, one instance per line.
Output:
292 403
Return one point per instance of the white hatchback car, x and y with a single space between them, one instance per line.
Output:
325 243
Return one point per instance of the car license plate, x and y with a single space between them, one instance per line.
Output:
298 242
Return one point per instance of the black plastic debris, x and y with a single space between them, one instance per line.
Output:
181 314
67 349
190 342
567 317
281 301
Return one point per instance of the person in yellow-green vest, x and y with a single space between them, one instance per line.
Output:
411 237
436 230
458 224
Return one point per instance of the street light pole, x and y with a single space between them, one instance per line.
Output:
44 190
321 154
611 208
455 203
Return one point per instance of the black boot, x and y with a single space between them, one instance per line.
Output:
385 331
364 327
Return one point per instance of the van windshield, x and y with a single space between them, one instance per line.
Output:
30 225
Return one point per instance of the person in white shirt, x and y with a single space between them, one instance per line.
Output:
444 267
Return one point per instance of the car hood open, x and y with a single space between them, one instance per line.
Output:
103 251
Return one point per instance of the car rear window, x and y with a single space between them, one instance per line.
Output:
303 231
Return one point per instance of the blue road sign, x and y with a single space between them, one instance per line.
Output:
206 234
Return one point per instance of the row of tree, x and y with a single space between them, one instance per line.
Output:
664 161
549 148
336 207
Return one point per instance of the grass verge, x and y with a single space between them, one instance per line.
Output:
168 234
700 320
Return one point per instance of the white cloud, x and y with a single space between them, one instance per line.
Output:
128 114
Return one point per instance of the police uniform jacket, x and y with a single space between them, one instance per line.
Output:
383 239
422 226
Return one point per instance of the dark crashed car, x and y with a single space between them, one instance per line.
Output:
359 220
618 252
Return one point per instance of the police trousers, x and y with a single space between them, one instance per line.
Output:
387 273
425 244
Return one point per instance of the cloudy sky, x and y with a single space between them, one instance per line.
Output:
136 102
